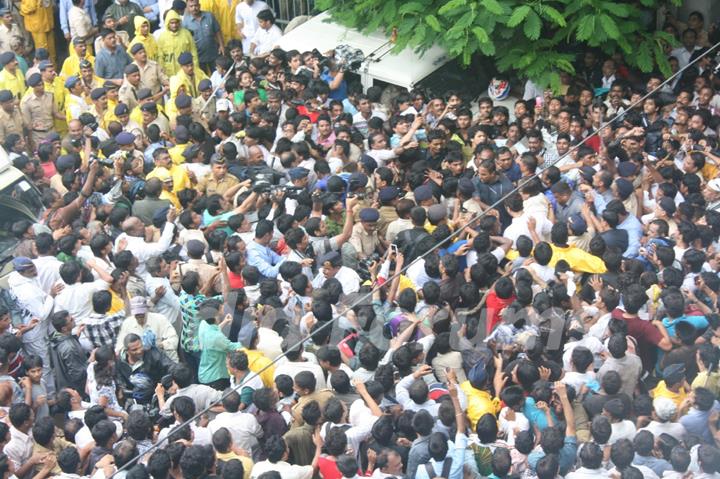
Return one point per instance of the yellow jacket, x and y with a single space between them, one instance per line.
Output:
579 260
15 83
172 44
38 18
181 180
191 85
176 153
224 12
479 403
71 65
256 362
148 41
661 391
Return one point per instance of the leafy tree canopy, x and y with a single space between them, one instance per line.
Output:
535 38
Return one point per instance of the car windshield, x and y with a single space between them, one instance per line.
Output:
18 201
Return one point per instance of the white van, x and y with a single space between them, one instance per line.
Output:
382 66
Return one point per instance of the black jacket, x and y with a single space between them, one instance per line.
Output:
69 362
142 381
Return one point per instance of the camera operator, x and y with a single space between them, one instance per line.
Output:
334 76
296 189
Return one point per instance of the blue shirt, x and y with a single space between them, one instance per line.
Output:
111 65
457 452
695 422
340 93
264 259
152 15
635 231
566 458
204 30
536 416
513 173
699 322
64 8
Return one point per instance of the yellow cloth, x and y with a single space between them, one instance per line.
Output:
70 101
712 383
15 83
580 261
136 114
38 19
116 304
224 12
479 403
256 362
191 85
176 153
71 65
148 41
661 391
172 44
181 180
229 456
171 197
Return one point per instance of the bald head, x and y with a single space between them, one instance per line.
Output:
133 226
255 154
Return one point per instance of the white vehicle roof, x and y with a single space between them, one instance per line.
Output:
404 69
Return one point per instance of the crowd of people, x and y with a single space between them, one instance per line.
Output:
250 266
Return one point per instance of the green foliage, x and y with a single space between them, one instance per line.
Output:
534 38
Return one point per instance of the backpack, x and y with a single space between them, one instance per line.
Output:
447 464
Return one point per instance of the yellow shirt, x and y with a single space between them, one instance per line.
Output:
256 362
224 12
229 456
15 83
181 180
661 391
479 403
71 65
176 153
703 381
579 260
171 197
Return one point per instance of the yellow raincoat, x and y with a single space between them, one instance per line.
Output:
147 41
172 44
39 21
177 86
224 12
192 85
71 65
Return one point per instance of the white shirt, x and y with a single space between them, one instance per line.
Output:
19 448
143 250
247 16
201 435
30 295
585 473
169 304
166 338
287 471
683 55
518 226
292 368
244 428
675 429
266 40
622 430
48 269
76 299
348 278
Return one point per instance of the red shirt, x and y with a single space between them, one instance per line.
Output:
236 281
494 307
647 335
